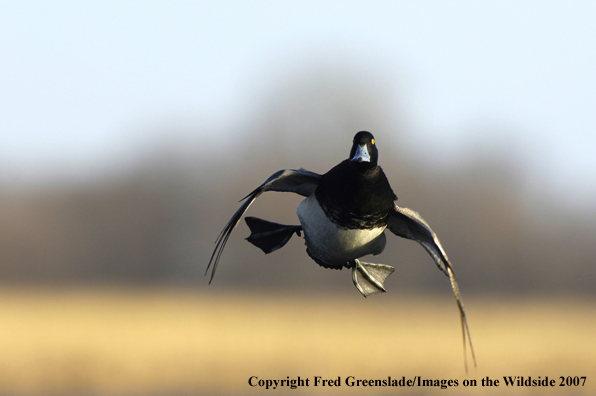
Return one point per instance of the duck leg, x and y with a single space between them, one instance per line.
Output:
368 277
269 236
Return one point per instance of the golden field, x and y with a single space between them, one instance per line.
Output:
158 341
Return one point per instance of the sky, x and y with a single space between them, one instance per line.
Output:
85 84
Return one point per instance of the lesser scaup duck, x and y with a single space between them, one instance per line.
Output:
343 218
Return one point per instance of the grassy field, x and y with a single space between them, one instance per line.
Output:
121 341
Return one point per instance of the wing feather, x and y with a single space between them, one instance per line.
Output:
407 223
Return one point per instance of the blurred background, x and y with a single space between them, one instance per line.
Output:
130 130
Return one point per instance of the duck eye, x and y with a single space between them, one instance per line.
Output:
373 141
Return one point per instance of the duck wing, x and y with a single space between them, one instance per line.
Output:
407 223
299 181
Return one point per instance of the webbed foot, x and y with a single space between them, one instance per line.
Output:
269 236
368 277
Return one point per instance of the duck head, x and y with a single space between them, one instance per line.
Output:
364 154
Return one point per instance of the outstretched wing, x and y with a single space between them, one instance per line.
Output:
407 223
300 181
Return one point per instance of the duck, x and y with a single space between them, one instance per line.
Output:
343 218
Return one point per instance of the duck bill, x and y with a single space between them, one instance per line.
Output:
361 154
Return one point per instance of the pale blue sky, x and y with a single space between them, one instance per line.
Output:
82 84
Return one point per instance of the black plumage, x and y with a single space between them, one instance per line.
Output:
354 198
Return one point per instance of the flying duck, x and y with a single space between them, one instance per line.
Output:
343 218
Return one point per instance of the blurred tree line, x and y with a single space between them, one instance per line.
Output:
155 223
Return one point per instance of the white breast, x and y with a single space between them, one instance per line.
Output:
332 244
